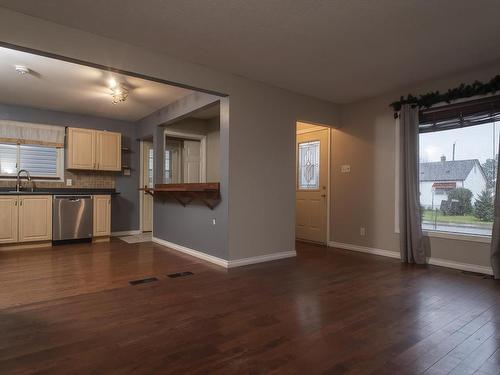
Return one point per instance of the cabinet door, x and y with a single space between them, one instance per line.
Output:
35 218
102 215
8 219
109 151
81 149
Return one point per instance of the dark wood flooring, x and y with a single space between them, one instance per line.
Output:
70 310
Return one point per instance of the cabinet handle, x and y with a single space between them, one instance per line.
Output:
15 203
20 202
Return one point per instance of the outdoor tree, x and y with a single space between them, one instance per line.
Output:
458 203
483 206
490 169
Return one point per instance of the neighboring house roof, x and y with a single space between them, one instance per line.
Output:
453 170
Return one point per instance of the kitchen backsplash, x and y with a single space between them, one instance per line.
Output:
80 179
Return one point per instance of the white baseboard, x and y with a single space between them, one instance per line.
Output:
261 258
223 262
364 249
460 266
432 261
125 233
195 253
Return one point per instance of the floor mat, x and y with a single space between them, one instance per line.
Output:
137 238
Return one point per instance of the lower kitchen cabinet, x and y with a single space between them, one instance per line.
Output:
35 218
8 219
102 215
25 218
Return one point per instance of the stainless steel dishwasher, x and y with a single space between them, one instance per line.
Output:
72 218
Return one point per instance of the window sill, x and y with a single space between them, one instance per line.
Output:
458 236
34 179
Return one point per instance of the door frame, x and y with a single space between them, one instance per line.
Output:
329 171
141 185
203 148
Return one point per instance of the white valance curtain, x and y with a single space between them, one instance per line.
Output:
32 134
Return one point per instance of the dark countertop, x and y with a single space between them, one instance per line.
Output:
59 191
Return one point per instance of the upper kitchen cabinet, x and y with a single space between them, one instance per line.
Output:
109 155
81 149
93 150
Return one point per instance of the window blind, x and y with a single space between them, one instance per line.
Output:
459 115
8 159
40 161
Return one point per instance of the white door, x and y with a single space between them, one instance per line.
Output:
312 185
147 178
192 161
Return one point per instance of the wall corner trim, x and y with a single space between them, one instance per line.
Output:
223 262
430 260
126 233
364 249
261 258
195 253
460 266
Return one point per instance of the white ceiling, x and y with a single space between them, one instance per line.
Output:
339 50
62 86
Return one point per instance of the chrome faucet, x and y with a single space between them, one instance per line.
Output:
18 182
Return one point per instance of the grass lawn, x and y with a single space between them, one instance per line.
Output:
430 215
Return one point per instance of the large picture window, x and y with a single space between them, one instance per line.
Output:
458 170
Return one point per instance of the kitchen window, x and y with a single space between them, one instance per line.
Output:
40 161
458 154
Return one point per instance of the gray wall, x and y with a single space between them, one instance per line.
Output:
189 226
366 196
125 207
257 135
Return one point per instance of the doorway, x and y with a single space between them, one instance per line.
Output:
147 181
312 182
185 157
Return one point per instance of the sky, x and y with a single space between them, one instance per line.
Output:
475 142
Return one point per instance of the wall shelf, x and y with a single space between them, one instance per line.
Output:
208 193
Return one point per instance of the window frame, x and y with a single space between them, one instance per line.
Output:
59 167
427 233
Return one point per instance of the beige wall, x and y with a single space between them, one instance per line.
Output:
366 196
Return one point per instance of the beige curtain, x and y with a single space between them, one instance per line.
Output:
33 134
495 234
411 238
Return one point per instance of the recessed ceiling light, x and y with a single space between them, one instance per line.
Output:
22 70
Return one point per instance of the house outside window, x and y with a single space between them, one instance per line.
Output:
458 166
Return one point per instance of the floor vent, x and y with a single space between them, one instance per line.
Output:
180 274
143 281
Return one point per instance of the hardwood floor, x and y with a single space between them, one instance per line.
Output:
329 311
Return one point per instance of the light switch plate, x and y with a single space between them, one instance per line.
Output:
345 168
69 182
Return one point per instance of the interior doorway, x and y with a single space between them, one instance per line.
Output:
185 157
147 181
312 182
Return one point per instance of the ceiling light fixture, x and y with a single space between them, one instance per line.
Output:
22 70
119 92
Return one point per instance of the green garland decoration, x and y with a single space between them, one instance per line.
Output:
460 92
